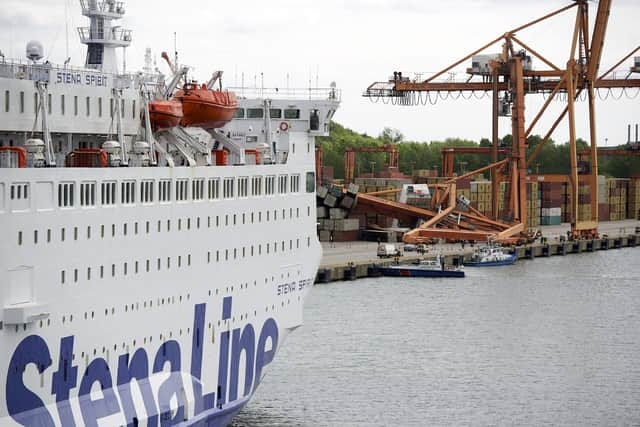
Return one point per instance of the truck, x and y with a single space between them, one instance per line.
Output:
388 250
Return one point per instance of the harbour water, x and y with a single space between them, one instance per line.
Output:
553 341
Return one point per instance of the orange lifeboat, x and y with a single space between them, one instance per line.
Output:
165 113
206 108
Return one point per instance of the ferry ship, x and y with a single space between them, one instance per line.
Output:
150 276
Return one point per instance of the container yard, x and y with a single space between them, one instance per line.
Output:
350 231
507 212
503 201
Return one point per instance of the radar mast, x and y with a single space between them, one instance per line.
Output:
101 36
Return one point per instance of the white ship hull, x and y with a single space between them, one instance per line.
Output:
144 294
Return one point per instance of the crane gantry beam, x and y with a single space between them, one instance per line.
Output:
533 86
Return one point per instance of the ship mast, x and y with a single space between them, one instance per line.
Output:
102 37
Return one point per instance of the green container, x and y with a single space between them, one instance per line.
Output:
550 220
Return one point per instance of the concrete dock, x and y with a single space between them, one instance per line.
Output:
353 260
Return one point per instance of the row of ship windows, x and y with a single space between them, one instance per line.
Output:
148 191
274 113
172 300
89 104
212 221
73 276
149 305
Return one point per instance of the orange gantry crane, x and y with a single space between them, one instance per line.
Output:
350 158
509 76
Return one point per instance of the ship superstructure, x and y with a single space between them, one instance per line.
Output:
149 276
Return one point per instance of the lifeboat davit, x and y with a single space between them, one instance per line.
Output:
206 108
165 113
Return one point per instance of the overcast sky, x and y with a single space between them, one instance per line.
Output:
351 42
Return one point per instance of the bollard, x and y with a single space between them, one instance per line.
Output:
529 252
350 273
564 249
373 271
324 275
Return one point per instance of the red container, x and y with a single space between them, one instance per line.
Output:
464 184
603 212
345 236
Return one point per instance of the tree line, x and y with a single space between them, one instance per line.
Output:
414 155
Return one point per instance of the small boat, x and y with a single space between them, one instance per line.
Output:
206 108
165 113
422 268
491 256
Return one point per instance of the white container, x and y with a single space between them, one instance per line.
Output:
551 212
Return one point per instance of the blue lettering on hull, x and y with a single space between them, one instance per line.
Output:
26 408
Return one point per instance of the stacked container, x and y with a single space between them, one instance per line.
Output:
603 199
633 199
533 205
370 185
480 196
463 188
584 202
551 203
565 206
617 198
533 202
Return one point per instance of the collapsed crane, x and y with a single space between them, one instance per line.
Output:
509 76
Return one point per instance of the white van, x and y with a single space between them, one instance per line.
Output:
388 250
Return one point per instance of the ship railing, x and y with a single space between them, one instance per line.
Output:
111 8
116 35
16 69
323 94
24 71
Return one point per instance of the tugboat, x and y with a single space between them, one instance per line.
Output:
491 255
434 267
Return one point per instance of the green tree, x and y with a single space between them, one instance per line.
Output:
391 135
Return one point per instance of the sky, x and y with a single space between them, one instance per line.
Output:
353 43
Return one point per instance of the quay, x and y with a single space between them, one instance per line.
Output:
358 259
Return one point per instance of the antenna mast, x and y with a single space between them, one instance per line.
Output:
175 50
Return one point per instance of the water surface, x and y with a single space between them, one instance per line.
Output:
546 342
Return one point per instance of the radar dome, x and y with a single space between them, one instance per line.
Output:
35 51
